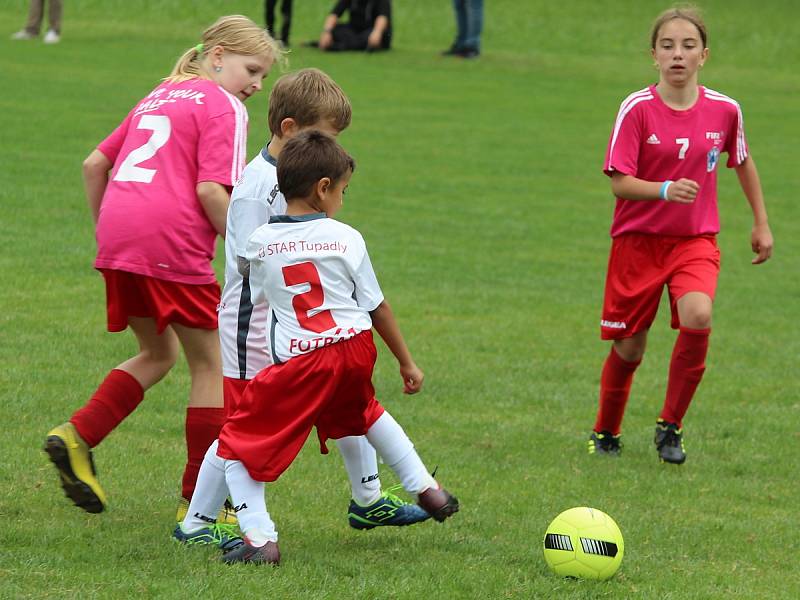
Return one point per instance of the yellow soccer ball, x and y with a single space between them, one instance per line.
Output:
583 542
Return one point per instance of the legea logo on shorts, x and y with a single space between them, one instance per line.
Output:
613 324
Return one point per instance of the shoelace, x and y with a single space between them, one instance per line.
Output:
222 530
393 498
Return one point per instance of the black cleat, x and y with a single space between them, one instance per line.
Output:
605 443
669 442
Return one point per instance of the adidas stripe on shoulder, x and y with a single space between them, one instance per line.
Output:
741 147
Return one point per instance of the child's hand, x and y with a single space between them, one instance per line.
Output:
412 378
761 242
683 191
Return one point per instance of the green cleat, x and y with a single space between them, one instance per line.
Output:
222 536
388 510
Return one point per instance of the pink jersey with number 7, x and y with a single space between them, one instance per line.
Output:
654 142
151 221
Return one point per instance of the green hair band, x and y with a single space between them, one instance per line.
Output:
199 48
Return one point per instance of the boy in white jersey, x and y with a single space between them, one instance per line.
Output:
324 299
307 99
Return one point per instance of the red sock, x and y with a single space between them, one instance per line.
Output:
685 372
116 398
202 428
615 387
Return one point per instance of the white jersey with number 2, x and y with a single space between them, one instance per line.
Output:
316 275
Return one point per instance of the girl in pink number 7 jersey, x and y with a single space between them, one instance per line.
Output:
158 189
663 157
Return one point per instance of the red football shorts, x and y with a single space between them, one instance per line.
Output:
132 295
639 267
232 392
330 388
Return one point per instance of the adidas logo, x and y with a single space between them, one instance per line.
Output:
653 139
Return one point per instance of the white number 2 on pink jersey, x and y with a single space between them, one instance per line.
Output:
684 143
129 169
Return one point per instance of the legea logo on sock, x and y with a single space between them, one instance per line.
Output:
242 506
204 518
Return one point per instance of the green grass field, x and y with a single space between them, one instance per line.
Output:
480 194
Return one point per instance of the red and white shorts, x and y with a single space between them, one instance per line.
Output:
330 388
639 267
133 295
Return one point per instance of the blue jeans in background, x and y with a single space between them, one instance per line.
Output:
469 21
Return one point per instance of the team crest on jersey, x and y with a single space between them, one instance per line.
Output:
712 158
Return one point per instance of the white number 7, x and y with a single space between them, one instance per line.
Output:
128 170
684 142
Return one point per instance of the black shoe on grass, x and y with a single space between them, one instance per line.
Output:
605 443
669 442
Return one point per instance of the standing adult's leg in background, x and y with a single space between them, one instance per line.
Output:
35 13
474 20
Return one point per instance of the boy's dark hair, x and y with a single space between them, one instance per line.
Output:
308 96
307 158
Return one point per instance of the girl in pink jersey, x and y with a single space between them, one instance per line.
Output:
158 188
662 159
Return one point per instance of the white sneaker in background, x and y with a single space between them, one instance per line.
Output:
51 37
22 34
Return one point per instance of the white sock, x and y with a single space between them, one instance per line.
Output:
250 505
398 452
361 463
209 493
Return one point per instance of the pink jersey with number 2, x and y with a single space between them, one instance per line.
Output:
654 142
151 221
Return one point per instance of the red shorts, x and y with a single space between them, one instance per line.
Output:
639 267
330 388
232 392
132 295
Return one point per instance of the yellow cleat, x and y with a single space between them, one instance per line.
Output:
73 459
226 516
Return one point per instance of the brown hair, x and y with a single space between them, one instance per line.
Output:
307 158
308 96
688 13
236 34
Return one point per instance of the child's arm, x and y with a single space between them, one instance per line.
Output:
95 179
214 199
385 324
683 191
761 236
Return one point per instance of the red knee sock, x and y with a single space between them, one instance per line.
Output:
202 428
116 398
685 372
615 387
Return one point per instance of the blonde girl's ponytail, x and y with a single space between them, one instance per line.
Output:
236 34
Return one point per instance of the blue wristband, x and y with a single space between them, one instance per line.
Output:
664 187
